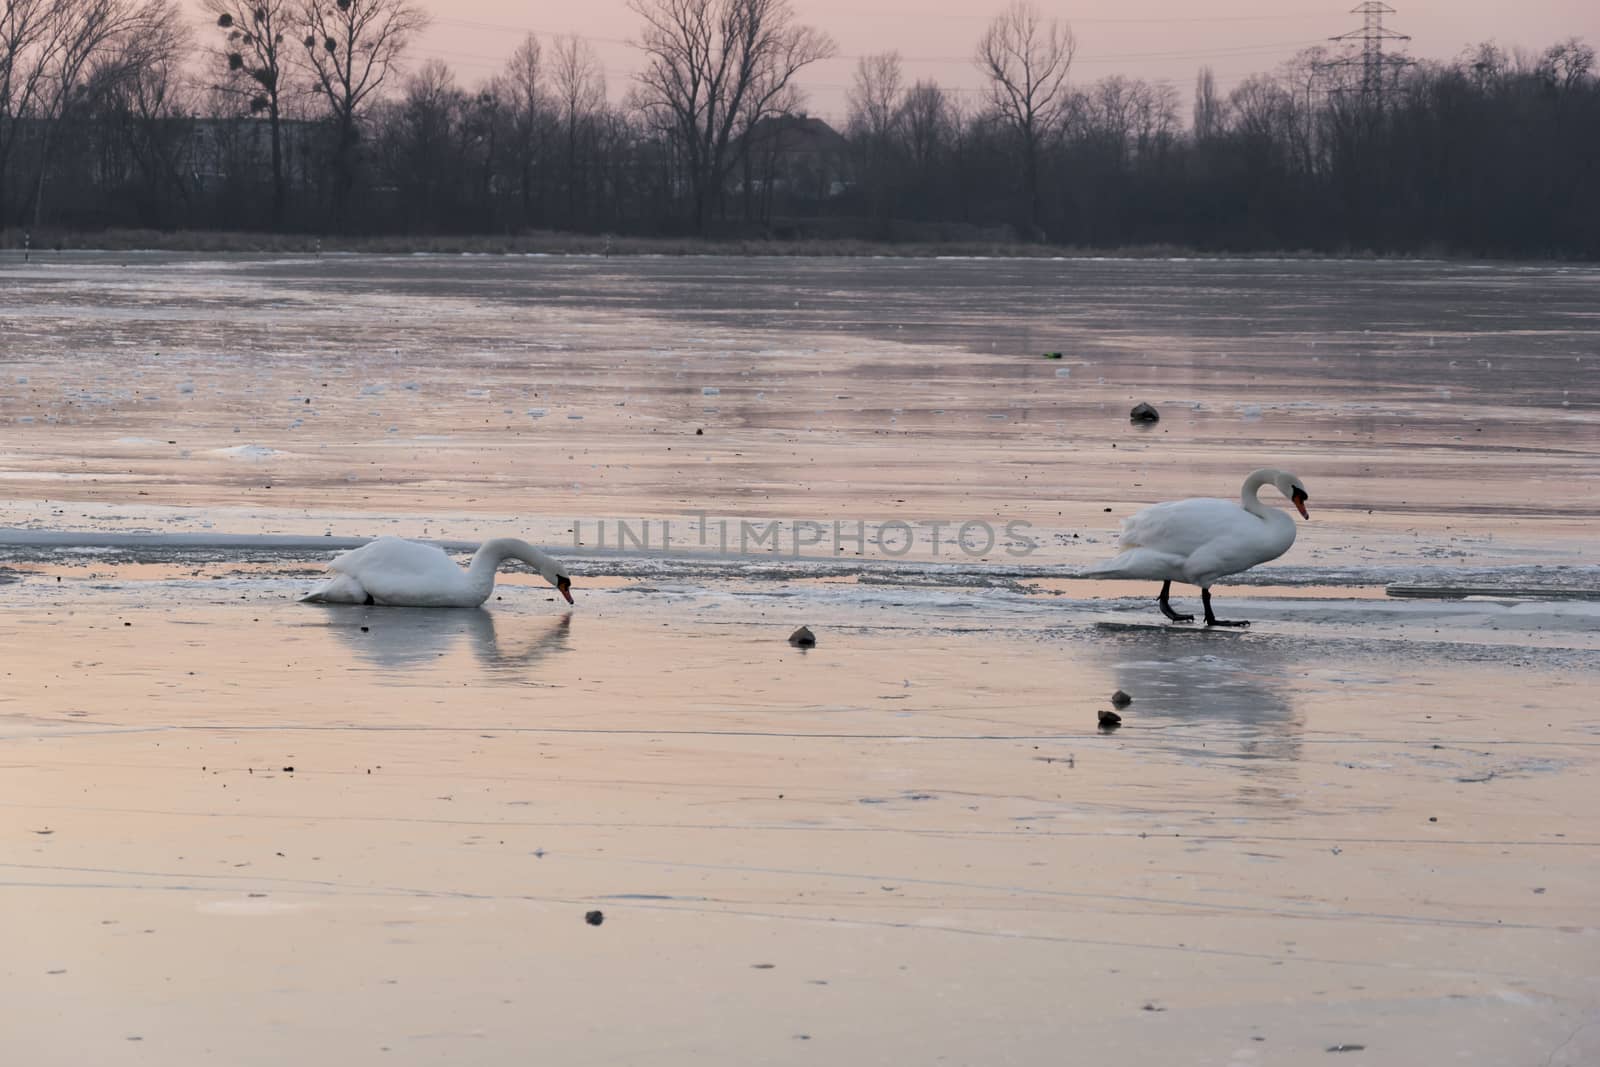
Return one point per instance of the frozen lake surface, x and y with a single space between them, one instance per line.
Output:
1364 825
1439 413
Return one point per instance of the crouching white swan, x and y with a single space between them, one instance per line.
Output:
1202 539
410 574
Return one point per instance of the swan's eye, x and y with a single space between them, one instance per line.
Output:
1299 494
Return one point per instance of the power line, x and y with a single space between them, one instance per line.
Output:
967 58
531 30
1113 57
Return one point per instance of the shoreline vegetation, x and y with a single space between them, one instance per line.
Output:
557 243
247 123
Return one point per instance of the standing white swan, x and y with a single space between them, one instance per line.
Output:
411 574
1202 539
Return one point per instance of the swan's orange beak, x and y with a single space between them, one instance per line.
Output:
564 584
1300 499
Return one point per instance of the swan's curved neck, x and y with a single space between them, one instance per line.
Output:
485 562
492 553
1247 494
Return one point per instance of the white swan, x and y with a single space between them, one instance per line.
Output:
411 574
1202 539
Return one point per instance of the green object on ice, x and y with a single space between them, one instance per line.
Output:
1052 355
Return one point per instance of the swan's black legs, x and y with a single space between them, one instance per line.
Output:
1166 606
1212 620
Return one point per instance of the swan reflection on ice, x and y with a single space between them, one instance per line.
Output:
402 639
1235 708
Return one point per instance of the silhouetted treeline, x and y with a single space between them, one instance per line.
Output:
244 124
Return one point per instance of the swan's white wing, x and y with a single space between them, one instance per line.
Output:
1240 548
396 555
1192 540
1181 527
396 571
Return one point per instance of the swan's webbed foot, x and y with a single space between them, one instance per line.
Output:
1166 605
1212 620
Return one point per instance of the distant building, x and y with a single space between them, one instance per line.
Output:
795 158
221 149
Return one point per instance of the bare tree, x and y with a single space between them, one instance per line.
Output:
1486 64
1565 64
874 94
1309 75
1106 115
579 85
712 66
1263 114
1125 119
1026 60
139 83
522 88
420 144
351 48
874 98
256 59
72 38
1156 122
926 122
1208 116
28 39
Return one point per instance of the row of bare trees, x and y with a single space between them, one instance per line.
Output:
51 53
69 65
302 118
1488 153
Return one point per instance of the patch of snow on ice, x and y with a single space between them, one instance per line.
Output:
250 452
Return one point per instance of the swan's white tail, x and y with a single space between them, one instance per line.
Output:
1145 563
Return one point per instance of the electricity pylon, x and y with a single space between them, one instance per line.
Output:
1376 67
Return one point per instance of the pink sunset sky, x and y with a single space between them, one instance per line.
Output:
1155 39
